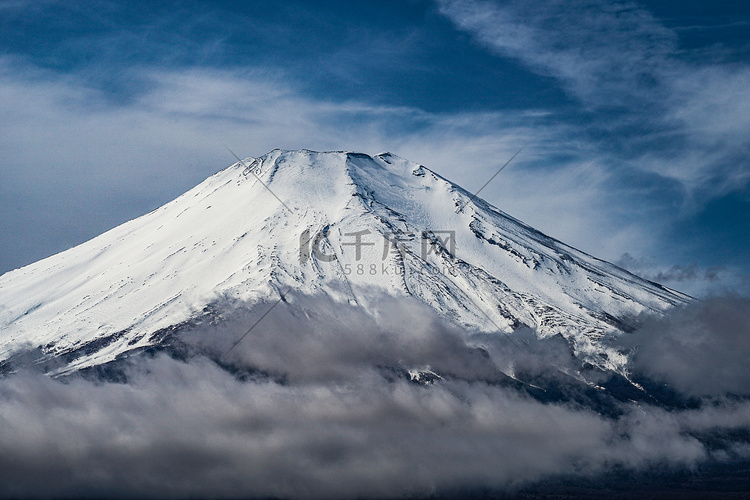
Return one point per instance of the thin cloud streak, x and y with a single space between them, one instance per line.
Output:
599 52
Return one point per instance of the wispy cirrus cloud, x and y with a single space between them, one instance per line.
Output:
605 54
657 108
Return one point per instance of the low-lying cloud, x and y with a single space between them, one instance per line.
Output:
701 350
316 402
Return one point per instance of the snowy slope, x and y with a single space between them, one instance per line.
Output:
288 220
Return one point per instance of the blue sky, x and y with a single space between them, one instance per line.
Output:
636 115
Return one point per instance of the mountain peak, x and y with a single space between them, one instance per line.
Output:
344 224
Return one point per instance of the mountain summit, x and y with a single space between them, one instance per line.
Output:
345 225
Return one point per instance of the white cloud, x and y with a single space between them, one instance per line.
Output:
335 420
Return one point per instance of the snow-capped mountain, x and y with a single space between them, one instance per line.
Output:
345 225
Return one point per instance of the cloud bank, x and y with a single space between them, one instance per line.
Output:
305 407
